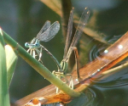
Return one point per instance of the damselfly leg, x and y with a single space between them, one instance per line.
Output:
77 63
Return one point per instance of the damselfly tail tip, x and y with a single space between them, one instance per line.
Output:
86 8
88 12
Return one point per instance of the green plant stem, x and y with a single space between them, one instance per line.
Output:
39 67
4 95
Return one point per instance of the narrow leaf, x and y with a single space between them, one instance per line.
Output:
4 96
11 60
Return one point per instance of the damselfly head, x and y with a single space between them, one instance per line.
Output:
26 45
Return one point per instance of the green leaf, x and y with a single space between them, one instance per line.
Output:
11 60
4 96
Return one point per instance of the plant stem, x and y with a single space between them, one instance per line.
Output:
39 67
114 70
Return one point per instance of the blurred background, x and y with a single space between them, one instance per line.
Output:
22 19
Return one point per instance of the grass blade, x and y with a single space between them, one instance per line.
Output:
11 60
4 96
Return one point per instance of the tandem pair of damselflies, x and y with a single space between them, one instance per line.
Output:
70 47
48 32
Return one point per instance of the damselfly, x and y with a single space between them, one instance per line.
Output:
46 33
69 47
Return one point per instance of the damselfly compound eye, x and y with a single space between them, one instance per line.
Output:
26 44
37 44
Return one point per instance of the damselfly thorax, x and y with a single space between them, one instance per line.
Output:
33 45
64 66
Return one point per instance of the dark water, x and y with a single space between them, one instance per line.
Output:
23 19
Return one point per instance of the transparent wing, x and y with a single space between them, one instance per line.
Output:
50 32
69 32
44 28
82 22
81 25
